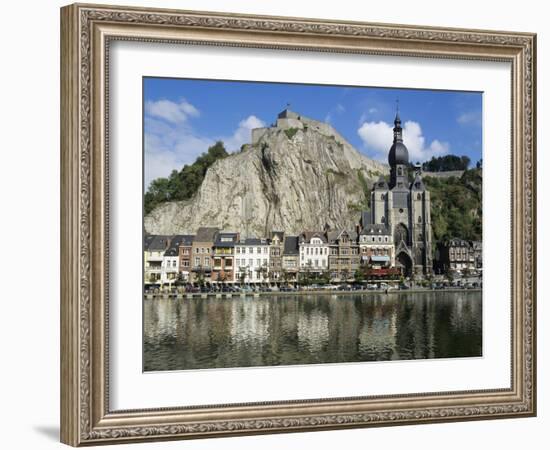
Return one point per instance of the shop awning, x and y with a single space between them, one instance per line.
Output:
381 259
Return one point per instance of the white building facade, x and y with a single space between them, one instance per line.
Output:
252 261
314 251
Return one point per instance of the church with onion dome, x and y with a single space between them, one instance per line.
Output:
403 207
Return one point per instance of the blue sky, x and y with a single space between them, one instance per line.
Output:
183 117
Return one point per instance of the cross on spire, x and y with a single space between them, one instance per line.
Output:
397 121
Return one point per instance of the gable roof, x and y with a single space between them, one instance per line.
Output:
279 234
307 236
334 236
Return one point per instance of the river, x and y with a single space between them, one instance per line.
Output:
204 333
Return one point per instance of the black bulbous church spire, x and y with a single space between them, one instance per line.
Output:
398 151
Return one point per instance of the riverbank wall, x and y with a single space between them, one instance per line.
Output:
221 295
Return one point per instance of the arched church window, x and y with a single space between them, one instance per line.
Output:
383 219
418 196
400 171
419 219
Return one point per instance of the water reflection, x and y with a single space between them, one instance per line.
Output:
285 329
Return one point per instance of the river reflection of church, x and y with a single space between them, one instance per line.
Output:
403 208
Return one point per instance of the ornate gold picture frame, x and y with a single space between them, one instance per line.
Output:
87 31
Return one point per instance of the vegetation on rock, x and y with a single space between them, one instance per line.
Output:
182 185
446 163
456 206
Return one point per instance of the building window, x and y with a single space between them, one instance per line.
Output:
419 196
174 263
419 219
197 261
399 171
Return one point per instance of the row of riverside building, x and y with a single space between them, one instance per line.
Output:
213 255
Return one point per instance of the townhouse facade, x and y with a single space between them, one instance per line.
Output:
185 256
171 261
313 251
223 269
344 258
201 250
376 246
276 248
154 248
457 255
252 260
291 258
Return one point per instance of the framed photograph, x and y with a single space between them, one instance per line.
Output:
281 224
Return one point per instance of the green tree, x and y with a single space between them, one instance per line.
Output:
358 276
184 184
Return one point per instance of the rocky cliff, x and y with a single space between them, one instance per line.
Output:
295 176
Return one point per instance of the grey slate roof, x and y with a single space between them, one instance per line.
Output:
334 236
206 234
365 218
158 243
306 236
375 229
226 239
173 249
381 184
147 239
254 241
187 240
418 184
291 246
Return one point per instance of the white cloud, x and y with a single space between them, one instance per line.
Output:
242 134
338 109
171 111
373 110
470 117
378 137
169 145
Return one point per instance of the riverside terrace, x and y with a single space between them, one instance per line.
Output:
389 287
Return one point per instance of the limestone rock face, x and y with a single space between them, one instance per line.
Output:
289 179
